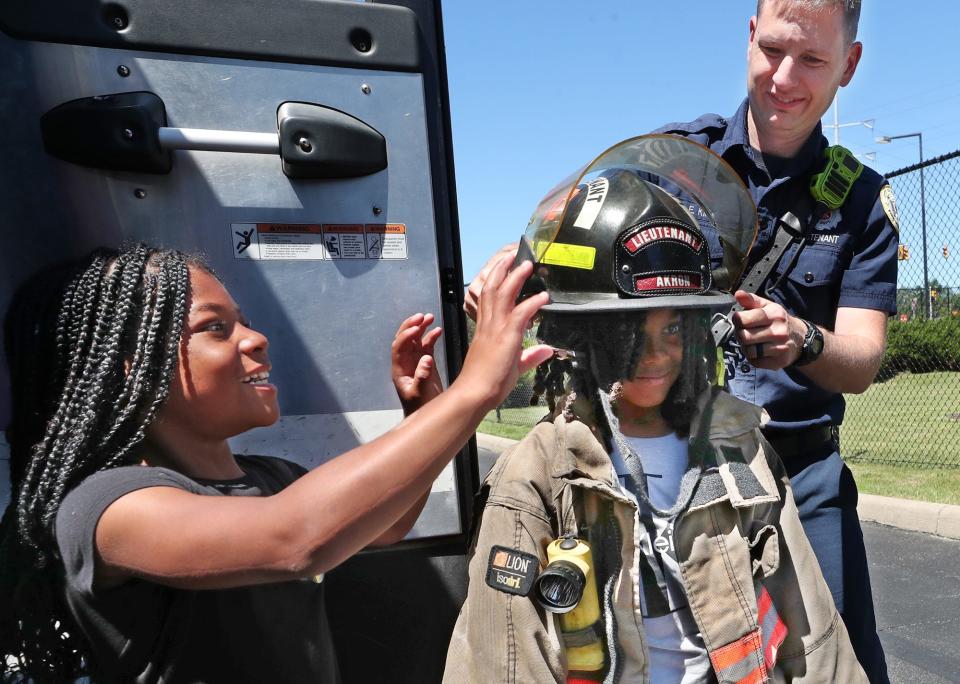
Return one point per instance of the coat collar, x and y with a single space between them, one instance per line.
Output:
735 467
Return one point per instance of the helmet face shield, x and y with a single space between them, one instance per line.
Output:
649 185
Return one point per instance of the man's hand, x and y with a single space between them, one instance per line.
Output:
770 337
496 357
472 298
412 366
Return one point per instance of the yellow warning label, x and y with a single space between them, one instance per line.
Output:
573 256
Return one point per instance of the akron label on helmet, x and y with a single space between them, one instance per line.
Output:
679 281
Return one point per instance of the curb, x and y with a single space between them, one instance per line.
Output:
942 520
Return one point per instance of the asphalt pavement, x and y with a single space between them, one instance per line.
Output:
916 592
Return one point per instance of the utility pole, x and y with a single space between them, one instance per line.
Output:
836 125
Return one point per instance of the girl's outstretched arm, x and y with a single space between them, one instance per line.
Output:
181 539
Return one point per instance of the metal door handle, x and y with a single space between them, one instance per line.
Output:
218 141
128 132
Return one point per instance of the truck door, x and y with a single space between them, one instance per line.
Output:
302 146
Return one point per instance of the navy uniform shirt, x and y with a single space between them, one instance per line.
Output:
848 259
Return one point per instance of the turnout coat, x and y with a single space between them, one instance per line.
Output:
752 581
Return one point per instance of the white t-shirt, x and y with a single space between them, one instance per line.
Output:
677 653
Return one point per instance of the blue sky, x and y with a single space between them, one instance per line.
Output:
538 88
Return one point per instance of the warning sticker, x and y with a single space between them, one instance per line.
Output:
318 242
278 241
386 241
344 241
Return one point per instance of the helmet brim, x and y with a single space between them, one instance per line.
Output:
597 303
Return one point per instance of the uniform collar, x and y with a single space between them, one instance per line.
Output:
736 143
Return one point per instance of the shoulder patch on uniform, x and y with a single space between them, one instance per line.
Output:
512 571
889 203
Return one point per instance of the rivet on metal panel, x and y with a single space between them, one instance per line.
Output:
123 70
365 89
116 17
139 193
377 211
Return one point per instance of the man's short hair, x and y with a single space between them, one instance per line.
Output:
851 12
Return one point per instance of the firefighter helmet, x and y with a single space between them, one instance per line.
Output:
631 232
622 235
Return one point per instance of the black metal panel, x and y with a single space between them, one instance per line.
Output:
358 35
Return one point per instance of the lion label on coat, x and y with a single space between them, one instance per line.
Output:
512 571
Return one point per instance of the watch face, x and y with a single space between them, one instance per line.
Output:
812 345
813 342
816 344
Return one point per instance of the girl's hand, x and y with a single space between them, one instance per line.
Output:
472 298
413 367
496 357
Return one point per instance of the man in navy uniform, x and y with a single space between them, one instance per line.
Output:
817 326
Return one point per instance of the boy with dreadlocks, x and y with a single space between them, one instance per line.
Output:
138 547
646 532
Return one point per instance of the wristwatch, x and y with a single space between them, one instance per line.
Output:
812 345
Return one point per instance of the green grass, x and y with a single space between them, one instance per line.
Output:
514 423
939 485
907 420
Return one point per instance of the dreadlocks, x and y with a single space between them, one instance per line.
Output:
92 347
606 348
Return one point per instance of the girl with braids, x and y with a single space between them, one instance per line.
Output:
137 546
644 532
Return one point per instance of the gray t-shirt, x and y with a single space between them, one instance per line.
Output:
146 632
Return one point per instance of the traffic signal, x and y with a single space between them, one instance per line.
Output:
903 252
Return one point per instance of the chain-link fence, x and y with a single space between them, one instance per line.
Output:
911 415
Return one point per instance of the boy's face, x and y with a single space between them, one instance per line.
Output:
659 364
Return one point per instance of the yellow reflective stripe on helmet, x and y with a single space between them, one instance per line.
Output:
574 256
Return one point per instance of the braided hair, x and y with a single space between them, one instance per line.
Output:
92 347
606 349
